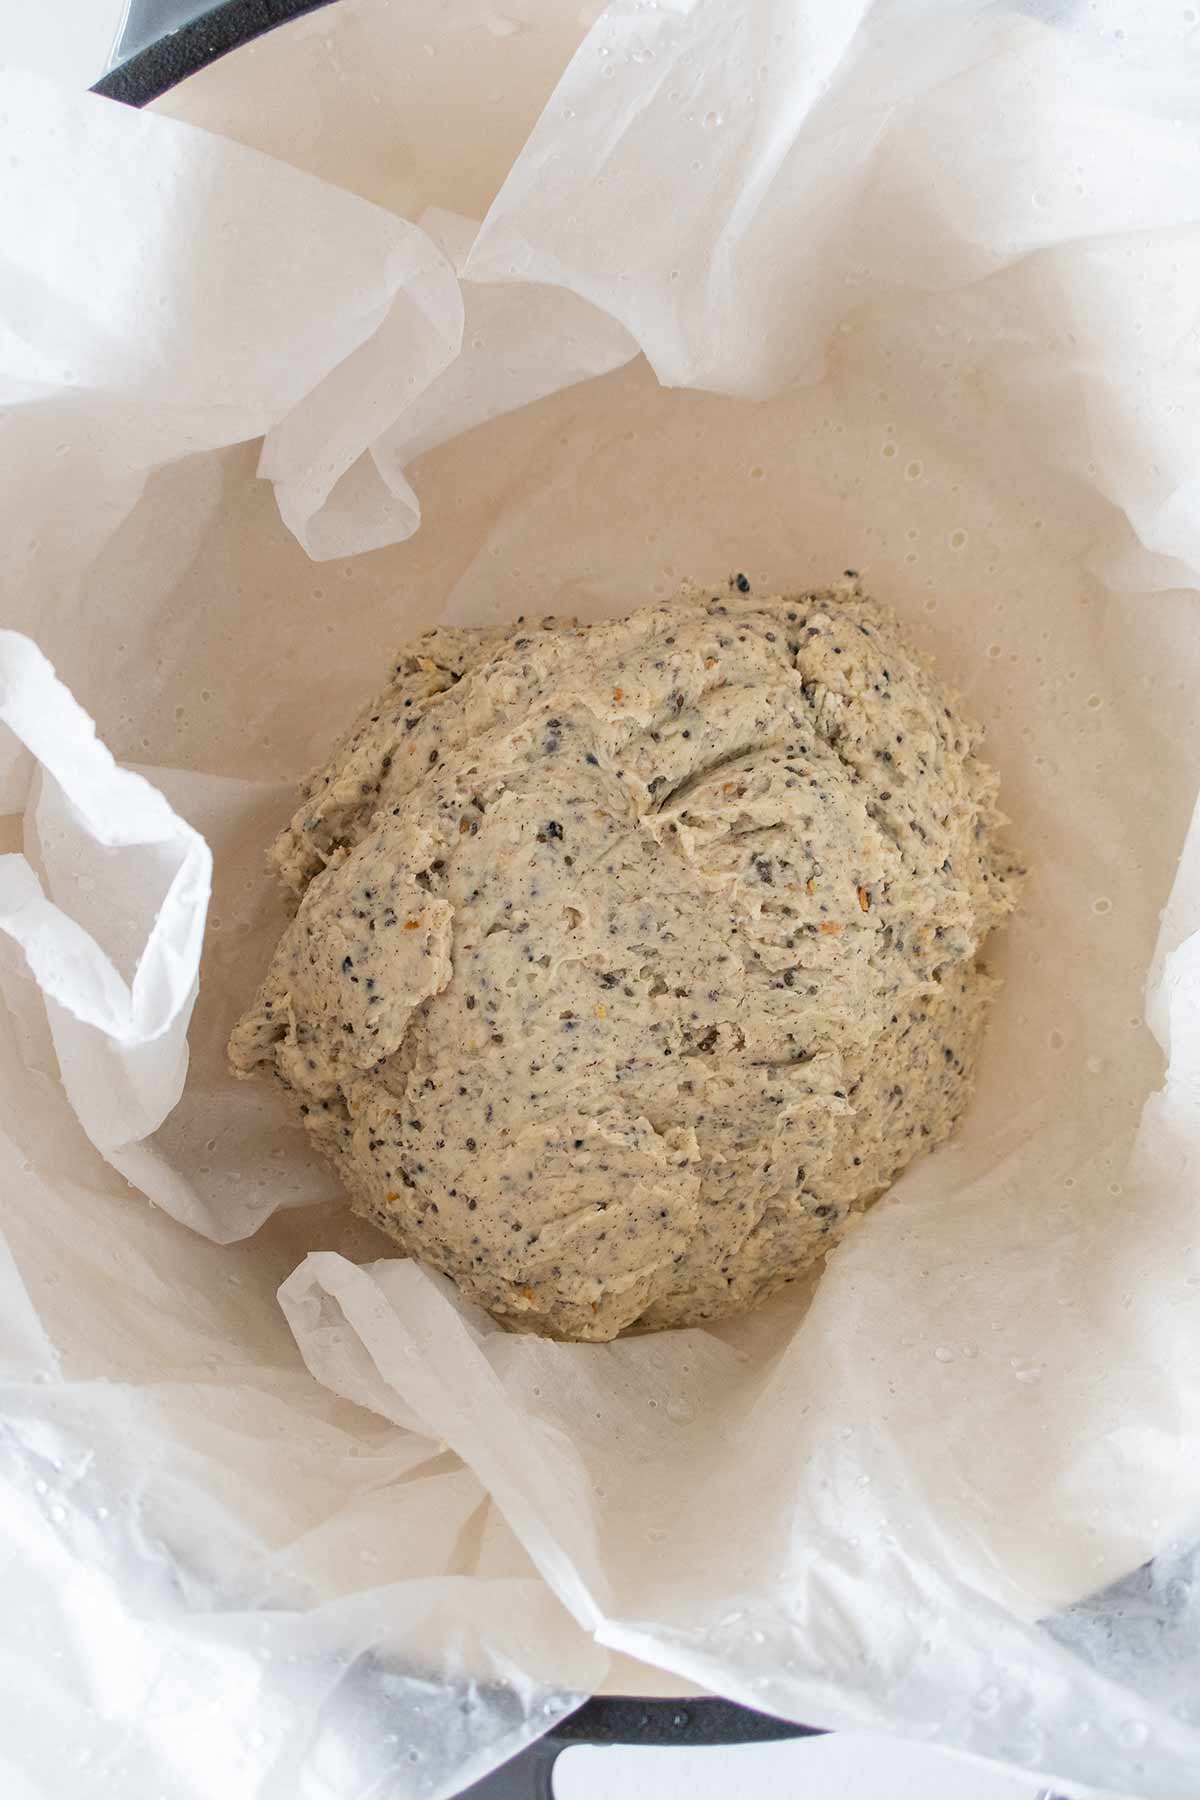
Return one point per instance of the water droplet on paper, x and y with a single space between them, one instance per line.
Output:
1029 1375
757 472
914 470
712 120
1102 905
945 1353
957 539
1133 1734
888 450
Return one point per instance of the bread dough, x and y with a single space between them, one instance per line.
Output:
633 961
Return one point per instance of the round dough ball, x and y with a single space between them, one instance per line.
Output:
633 961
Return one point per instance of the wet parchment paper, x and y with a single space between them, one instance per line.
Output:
533 309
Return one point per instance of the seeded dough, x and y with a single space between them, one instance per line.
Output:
633 961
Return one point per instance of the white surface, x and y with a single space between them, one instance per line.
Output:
846 1767
69 39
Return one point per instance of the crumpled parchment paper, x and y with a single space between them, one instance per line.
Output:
913 285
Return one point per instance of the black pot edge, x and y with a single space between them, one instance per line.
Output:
171 59
605 1718
624 1719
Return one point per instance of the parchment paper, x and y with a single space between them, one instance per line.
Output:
915 287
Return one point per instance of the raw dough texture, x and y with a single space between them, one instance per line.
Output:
633 961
